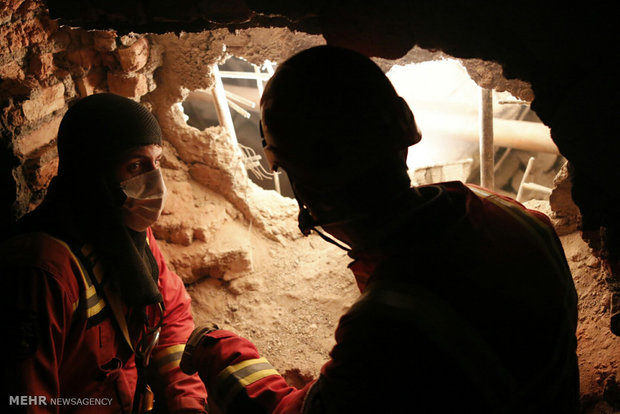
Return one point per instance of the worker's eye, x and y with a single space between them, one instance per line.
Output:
134 166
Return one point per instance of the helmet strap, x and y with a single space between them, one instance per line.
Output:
307 223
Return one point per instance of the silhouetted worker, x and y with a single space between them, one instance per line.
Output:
467 305
91 314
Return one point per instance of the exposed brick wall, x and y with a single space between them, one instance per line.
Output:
43 69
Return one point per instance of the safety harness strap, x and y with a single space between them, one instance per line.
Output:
98 294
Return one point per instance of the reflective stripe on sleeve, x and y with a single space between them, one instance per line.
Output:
168 358
236 377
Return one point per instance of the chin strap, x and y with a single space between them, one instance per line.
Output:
307 223
304 215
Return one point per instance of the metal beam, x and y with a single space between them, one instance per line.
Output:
221 104
487 152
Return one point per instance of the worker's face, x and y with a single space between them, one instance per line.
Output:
137 161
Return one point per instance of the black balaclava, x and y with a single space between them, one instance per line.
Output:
84 202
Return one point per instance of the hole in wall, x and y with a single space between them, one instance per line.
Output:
243 85
446 104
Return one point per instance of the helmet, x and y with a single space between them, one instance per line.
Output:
329 115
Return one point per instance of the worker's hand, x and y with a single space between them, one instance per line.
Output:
194 341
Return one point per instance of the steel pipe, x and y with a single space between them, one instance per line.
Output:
522 135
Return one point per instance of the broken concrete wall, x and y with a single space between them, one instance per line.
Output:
45 68
218 226
597 347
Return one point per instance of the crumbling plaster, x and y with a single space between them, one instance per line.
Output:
566 51
218 226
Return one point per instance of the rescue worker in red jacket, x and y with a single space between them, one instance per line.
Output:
467 303
93 318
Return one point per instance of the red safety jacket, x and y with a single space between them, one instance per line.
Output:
467 306
74 354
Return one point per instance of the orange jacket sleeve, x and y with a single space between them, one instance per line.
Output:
184 393
240 381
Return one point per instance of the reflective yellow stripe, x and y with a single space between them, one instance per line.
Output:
257 376
168 358
113 300
237 367
231 380
169 350
93 310
90 291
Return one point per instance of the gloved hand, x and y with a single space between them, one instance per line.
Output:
194 341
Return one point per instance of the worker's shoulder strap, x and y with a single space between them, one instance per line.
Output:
96 298
112 298
453 335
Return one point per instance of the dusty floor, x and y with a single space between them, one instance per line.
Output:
290 298
289 307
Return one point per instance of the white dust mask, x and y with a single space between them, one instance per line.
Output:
146 195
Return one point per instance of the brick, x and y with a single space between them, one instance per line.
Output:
27 7
134 57
15 117
131 86
110 61
104 41
12 70
45 102
50 25
86 58
13 5
34 32
42 65
60 40
90 83
12 37
40 176
27 144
